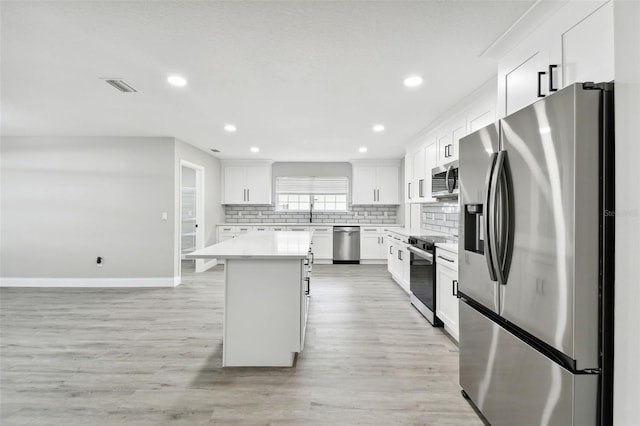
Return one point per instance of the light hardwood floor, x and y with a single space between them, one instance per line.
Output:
153 356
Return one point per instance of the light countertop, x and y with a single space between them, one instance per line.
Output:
314 224
453 247
408 232
259 245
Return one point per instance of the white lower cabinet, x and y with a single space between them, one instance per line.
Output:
372 246
447 290
322 241
229 232
398 261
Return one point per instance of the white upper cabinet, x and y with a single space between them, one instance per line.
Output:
587 48
235 189
575 44
415 172
409 187
375 183
482 114
458 130
441 144
364 185
388 183
443 141
419 175
430 161
246 183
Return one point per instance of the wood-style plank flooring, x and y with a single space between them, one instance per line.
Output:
153 356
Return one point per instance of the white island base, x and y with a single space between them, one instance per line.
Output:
265 296
265 312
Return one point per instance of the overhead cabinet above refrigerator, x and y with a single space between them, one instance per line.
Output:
535 261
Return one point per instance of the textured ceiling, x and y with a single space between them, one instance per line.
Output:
304 81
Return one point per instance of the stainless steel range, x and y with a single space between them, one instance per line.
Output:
422 281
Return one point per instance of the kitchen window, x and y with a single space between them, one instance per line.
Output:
298 193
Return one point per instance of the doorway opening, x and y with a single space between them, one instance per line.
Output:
191 213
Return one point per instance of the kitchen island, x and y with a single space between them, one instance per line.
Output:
266 296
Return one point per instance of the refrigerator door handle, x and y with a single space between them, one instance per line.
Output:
506 218
497 218
488 233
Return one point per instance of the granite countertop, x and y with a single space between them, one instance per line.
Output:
259 245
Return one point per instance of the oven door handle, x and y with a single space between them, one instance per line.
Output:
421 253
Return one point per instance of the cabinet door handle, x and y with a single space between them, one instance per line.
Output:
248 195
454 288
444 258
409 189
378 194
540 74
551 68
399 254
420 186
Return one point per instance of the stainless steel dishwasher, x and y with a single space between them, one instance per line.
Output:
346 244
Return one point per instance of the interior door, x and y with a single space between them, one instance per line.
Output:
552 159
477 154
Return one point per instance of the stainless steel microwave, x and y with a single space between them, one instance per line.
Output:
444 181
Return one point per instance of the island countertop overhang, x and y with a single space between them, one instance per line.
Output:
259 245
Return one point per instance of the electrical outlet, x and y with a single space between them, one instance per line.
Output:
239 214
385 214
259 214
365 214
99 261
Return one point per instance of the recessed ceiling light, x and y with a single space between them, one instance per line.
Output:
255 149
413 81
176 80
378 128
363 149
230 128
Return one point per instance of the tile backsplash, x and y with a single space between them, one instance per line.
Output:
268 214
442 216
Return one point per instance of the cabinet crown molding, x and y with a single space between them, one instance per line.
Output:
246 162
393 162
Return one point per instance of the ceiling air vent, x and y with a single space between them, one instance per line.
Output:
121 85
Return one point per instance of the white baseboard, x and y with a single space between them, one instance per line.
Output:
90 282
373 262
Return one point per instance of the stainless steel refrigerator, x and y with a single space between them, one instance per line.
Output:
536 251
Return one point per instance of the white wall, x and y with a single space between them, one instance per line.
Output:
68 200
627 270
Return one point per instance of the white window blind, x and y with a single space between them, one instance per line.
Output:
299 192
312 185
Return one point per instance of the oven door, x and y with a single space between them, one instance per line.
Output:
422 283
